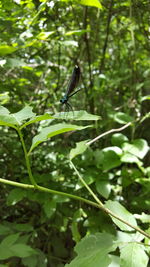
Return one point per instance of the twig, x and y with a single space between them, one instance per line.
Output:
108 132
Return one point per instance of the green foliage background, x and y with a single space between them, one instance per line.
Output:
40 43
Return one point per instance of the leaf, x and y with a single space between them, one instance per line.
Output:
93 251
6 49
139 148
146 97
94 3
53 130
15 63
118 139
4 98
77 32
15 119
122 118
103 188
69 43
4 111
10 240
44 35
49 207
145 218
110 157
23 114
77 115
133 254
80 148
37 118
6 118
15 195
119 210
22 250
129 158
9 249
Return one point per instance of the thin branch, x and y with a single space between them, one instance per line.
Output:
108 132
102 64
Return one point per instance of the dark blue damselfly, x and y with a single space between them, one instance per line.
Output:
72 85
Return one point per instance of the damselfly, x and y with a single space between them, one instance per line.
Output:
72 85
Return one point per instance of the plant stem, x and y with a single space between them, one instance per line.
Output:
27 159
106 210
89 202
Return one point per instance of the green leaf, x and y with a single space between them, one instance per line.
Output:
6 118
80 148
4 230
10 240
4 111
24 114
145 218
94 3
4 98
9 249
103 188
15 119
37 119
69 43
22 250
133 254
122 118
53 130
77 32
15 63
93 251
49 207
110 158
119 210
44 35
15 195
77 115
146 97
118 139
6 49
139 148
129 158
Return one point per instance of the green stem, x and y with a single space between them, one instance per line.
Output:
106 210
27 159
89 202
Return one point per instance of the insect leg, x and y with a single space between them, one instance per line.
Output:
74 93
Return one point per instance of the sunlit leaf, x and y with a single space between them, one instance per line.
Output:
53 130
23 114
44 35
6 49
139 148
122 118
121 211
80 148
95 3
93 251
133 254
77 115
37 119
77 32
118 139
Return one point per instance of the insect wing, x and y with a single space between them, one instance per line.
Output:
74 80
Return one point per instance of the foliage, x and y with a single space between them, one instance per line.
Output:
74 185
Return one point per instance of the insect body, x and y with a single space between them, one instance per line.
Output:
72 85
